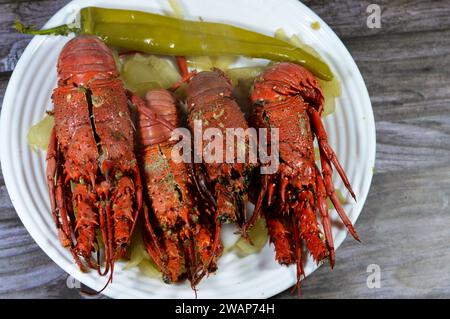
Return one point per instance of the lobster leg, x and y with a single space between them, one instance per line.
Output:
257 211
182 65
138 191
191 260
323 209
271 190
327 173
103 228
57 199
65 232
152 244
51 173
225 211
281 236
189 242
110 257
186 76
108 247
57 194
175 257
322 138
204 242
284 182
241 200
123 214
156 250
200 183
309 228
298 250
154 254
87 221
190 251
216 244
55 183
214 251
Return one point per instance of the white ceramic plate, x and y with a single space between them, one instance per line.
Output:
351 131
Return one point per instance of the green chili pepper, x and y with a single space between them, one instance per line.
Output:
93 15
158 34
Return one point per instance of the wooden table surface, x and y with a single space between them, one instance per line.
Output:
405 223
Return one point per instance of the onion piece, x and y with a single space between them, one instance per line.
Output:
38 136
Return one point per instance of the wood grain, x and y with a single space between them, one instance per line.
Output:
404 230
348 18
404 224
406 82
30 12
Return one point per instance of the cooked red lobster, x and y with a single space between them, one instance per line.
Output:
92 172
183 236
288 97
210 100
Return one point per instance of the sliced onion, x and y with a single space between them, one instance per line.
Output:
258 235
206 63
148 268
38 136
136 250
142 73
175 5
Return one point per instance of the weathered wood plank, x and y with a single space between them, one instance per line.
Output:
405 78
14 1
4 78
403 69
26 272
404 230
404 224
349 18
31 12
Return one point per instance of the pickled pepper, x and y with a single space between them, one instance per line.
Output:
159 34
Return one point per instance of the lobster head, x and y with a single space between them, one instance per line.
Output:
83 59
286 79
207 86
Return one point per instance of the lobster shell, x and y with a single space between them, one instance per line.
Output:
288 97
92 172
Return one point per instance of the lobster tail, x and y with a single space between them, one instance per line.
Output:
83 59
